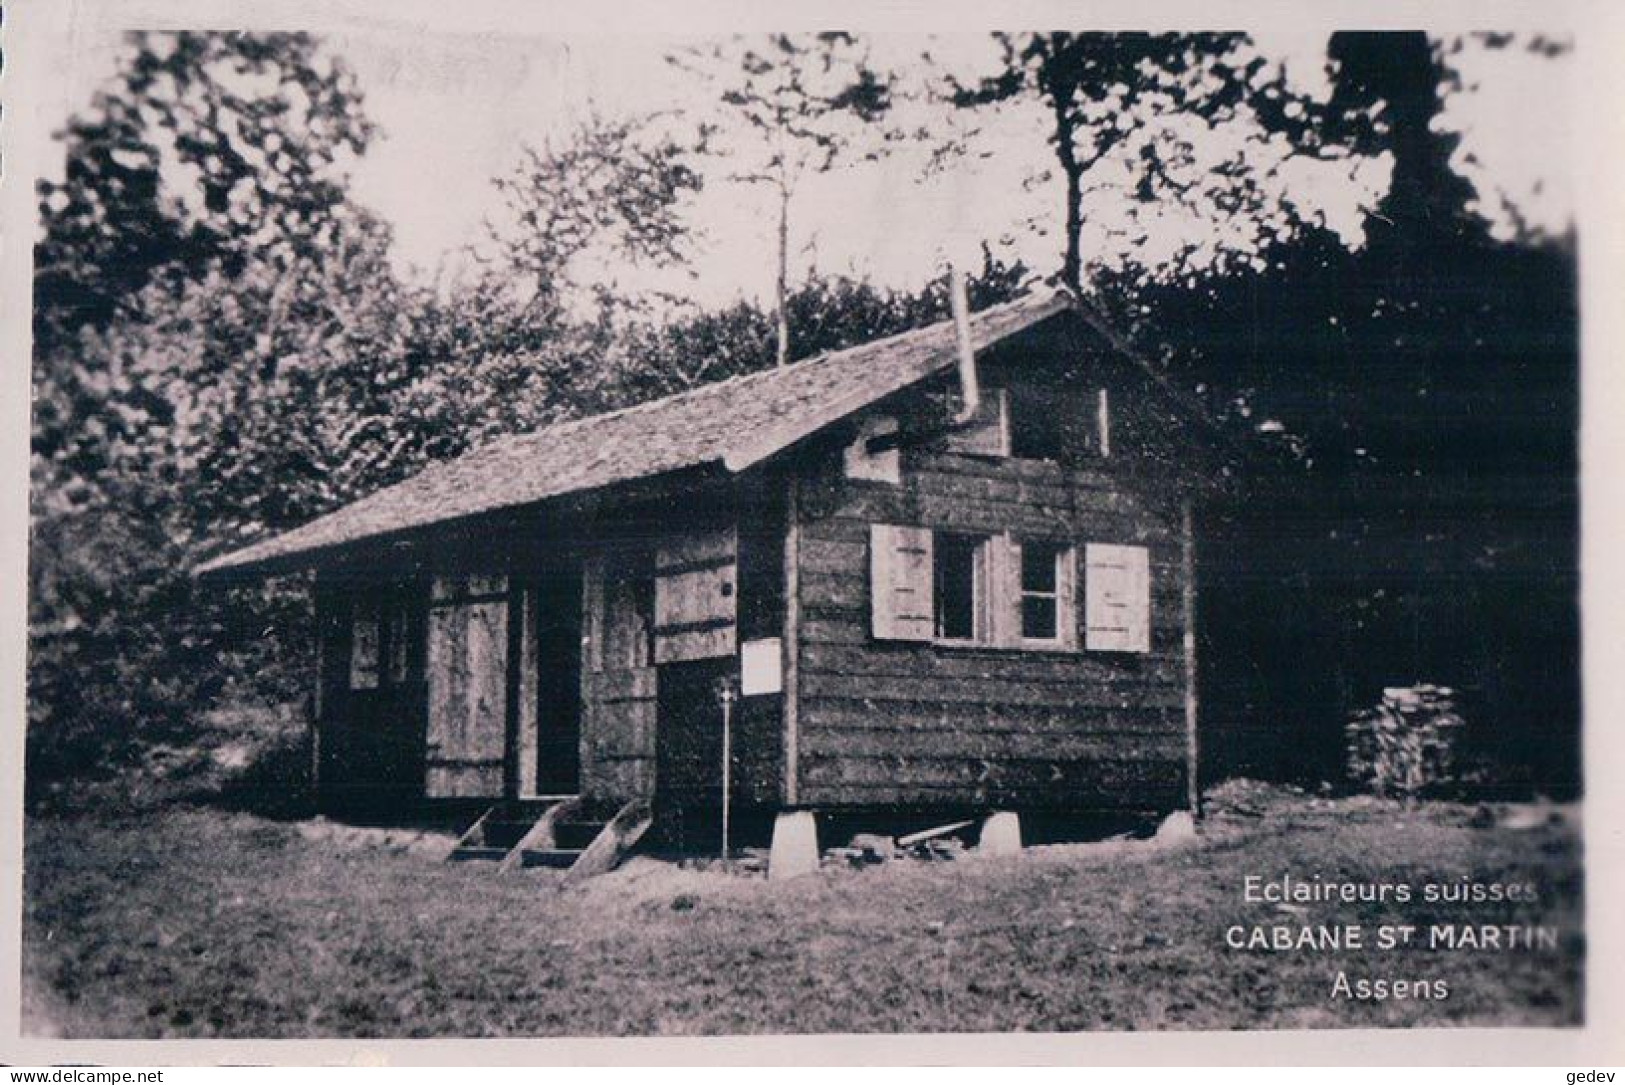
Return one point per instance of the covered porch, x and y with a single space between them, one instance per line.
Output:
554 654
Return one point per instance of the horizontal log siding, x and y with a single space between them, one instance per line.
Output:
892 723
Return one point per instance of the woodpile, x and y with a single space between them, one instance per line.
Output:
872 849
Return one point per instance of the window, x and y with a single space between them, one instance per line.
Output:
1059 423
961 589
956 573
1041 590
366 649
385 645
1037 423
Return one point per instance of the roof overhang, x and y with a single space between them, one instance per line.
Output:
886 366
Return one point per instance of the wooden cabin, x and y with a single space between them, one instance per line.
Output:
920 607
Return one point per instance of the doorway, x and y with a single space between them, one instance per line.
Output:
558 678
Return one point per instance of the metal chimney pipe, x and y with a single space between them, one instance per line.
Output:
960 302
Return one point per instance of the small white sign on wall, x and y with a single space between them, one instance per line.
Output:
1117 607
760 667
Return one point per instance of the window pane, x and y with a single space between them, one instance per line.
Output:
400 656
364 652
1036 418
955 557
1038 567
1038 617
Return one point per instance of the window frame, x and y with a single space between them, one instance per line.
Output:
995 582
367 614
1079 435
1064 600
398 640
980 582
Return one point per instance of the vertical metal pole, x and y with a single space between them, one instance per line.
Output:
727 693
969 387
727 773
1103 422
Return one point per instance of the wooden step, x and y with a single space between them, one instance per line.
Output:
558 858
613 844
472 842
577 834
563 835
504 834
511 825
540 835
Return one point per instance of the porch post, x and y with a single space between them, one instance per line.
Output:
510 717
1193 784
790 696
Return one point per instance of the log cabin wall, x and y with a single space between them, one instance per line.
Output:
370 704
758 764
430 681
672 591
475 686
883 721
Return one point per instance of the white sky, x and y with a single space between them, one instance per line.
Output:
466 102
454 107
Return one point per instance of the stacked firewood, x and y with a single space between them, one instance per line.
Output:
1407 744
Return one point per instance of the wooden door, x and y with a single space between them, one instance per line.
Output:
467 687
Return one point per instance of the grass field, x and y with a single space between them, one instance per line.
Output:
195 922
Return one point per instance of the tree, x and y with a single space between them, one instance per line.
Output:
1426 387
1386 95
214 161
203 147
1127 111
609 188
796 95
219 334
826 313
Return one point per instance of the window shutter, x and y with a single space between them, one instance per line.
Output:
1066 603
696 596
1117 609
1004 591
900 570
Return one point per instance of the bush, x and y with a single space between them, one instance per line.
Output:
1407 745
127 653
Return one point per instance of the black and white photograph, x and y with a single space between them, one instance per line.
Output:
548 524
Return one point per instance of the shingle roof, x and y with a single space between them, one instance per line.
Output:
734 423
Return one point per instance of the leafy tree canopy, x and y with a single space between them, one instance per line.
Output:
1142 123
205 147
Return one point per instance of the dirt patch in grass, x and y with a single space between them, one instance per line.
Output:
191 922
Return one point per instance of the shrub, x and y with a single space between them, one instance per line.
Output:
1407 744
